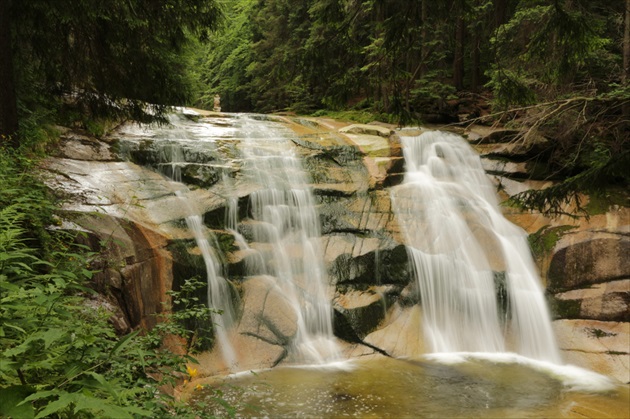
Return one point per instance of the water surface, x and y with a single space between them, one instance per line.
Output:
507 386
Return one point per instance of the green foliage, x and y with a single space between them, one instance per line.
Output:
60 357
546 47
510 88
359 116
279 55
188 320
601 169
575 32
225 59
107 58
544 240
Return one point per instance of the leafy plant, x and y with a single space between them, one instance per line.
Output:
189 319
59 356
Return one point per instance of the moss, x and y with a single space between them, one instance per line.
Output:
544 240
565 309
225 242
185 264
600 202
599 333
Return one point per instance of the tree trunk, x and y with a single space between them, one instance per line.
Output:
458 59
500 12
8 99
625 73
476 64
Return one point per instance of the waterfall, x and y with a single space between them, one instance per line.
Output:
477 281
218 291
285 218
175 141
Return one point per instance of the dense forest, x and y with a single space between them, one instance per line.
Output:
414 57
560 68
557 68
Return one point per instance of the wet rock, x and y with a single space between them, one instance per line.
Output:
363 311
510 144
400 333
505 168
600 346
587 258
135 266
355 264
367 129
360 214
267 313
351 172
607 301
76 146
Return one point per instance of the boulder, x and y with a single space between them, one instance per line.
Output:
363 310
367 129
267 314
76 146
608 301
512 145
586 258
134 267
400 332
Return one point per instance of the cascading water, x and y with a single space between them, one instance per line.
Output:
219 295
477 280
171 151
285 217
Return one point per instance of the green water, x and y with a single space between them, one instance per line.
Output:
422 388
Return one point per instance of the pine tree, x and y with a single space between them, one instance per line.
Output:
105 58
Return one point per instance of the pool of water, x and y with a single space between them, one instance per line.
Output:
456 385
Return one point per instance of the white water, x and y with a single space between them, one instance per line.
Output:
219 296
572 378
457 238
285 218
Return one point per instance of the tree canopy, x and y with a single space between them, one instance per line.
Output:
109 57
560 67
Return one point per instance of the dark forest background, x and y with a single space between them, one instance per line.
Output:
558 69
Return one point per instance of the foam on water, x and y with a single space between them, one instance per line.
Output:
572 377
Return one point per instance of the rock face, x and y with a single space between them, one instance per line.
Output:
587 258
583 261
131 193
589 278
598 345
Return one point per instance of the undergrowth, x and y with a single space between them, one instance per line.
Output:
59 357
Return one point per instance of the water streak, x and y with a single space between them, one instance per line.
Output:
285 218
218 291
478 283
177 144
